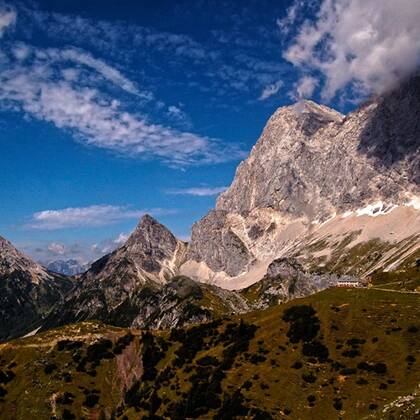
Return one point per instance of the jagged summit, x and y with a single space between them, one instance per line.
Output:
150 244
317 162
146 221
119 282
306 106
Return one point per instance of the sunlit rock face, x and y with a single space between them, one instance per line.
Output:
318 178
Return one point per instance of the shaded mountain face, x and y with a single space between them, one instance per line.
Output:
67 267
128 285
138 286
319 186
27 292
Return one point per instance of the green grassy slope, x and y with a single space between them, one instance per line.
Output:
405 279
341 353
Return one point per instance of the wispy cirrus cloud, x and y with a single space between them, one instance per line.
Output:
51 85
91 216
108 72
236 69
115 36
197 191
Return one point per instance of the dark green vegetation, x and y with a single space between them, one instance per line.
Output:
179 302
24 303
406 279
339 354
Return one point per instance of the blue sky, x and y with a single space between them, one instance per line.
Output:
109 109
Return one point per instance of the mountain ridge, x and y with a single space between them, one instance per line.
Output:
27 292
314 170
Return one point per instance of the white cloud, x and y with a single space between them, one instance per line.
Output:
56 248
21 51
369 44
121 239
197 191
108 72
305 87
83 252
234 69
271 90
7 18
72 99
82 216
287 21
117 35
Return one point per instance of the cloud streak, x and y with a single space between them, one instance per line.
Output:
91 216
107 71
197 191
49 85
236 70
368 45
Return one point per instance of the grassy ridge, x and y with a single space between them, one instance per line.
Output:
341 353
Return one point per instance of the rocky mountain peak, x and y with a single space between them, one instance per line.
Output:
12 260
147 226
151 253
69 267
150 243
311 108
312 165
374 152
5 247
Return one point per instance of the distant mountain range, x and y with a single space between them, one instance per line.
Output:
69 267
321 195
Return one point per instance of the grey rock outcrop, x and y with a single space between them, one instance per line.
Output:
224 250
287 279
312 161
316 177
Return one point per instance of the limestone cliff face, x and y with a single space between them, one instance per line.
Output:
27 291
310 168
